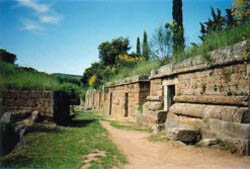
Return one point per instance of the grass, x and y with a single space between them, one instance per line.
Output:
13 77
141 68
65 147
158 137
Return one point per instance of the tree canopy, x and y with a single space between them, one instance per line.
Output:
7 57
108 51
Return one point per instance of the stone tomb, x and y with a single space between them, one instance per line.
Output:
208 96
121 99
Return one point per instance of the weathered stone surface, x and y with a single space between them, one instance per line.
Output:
214 99
36 116
20 129
7 118
202 111
186 122
242 145
53 105
189 136
227 113
229 129
162 115
151 117
154 105
154 98
186 109
208 142
129 80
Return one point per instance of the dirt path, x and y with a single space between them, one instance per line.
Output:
143 154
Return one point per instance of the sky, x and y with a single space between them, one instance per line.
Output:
62 36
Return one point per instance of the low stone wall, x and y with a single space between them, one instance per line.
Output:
19 110
53 105
209 96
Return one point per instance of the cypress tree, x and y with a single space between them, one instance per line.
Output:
178 38
145 50
138 47
229 18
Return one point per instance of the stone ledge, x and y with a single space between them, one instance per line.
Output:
214 99
154 98
229 129
129 80
202 111
224 56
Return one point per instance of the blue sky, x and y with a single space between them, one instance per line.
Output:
63 35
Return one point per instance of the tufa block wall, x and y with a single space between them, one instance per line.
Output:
120 99
51 105
211 97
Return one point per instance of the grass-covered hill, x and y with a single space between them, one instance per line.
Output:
68 76
22 78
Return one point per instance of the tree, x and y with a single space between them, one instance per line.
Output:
230 19
161 42
242 10
7 57
138 47
145 49
217 23
94 69
108 51
178 36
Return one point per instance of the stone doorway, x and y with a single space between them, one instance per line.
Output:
110 103
169 93
126 105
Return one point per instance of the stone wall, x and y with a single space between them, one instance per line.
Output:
20 109
206 95
121 99
51 105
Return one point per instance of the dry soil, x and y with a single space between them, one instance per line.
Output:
143 154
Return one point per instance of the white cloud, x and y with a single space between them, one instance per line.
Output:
49 19
44 14
31 26
38 7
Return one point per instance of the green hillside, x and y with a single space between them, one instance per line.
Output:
67 76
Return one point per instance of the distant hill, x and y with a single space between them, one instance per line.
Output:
67 76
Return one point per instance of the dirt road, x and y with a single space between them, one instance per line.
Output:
143 154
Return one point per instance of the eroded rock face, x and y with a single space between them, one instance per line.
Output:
155 105
189 136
